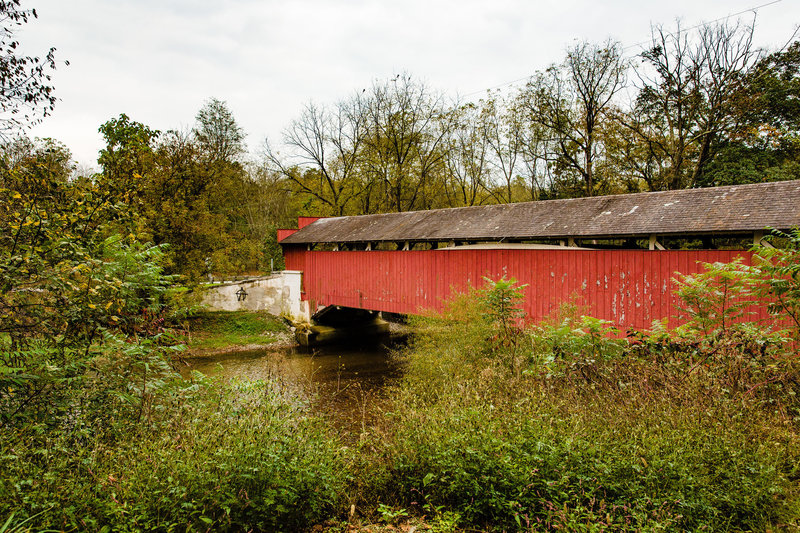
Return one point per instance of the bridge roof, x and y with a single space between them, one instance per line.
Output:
729 210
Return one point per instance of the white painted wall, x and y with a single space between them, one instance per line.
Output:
276 294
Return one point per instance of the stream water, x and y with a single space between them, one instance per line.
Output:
349 384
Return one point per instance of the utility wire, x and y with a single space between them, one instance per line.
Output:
639 44
702 24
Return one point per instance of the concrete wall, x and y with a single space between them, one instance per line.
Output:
276 294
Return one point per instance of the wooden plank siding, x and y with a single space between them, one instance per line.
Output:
630 288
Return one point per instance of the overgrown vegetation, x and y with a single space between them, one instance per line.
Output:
200 456
690 430
497 425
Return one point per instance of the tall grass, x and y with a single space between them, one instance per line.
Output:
234 457
593 433
496 426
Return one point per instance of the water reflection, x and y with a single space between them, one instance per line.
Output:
347 383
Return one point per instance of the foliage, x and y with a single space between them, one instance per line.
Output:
62 278
574 341
502 300
218 133
778 269
230 458
717 298
192 192
26 94
661 433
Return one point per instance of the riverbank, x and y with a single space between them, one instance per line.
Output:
217 332
491 428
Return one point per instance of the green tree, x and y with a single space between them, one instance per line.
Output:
502 128
22 157
765 146
217 132
127 159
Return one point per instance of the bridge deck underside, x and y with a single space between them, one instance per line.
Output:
630 288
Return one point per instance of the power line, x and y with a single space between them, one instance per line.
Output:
702 24
639 44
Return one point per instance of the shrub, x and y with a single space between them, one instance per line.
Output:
234 458
668 433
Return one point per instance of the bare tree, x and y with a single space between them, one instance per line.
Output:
467 158
327 143
408 125
687 85
502 127
537 150
26 95
569 100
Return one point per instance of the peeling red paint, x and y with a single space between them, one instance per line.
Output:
630 288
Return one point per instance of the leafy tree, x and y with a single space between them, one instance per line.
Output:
186 190
23 157
217 132
26 95
502 300
63 283
127 158
765 146
716 299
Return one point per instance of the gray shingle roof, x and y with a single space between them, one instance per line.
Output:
735 209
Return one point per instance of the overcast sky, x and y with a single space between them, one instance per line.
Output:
159 60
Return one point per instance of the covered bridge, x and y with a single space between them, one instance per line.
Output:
611 253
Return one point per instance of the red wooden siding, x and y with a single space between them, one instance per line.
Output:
283 233
631 288
302 222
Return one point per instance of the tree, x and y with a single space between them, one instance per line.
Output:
404 150
467 159
128 154
328 143
502 128
26 95
570 101
765 145
218 133
688 87
21 157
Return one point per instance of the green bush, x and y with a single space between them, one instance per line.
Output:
235 457
596 433
536 467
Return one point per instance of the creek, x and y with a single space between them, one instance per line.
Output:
348 383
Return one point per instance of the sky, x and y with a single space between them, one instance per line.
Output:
158 61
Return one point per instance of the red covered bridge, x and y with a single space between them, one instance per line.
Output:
611 253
